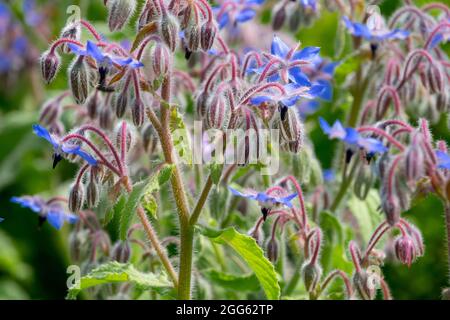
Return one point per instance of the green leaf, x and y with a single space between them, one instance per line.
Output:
216 172
180 135
150 205
252 254
248 282
114 272
165 174
129 209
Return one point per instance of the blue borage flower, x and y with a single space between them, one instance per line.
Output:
53 212
93 51
351 137
375 35
288 68
265 201
328 175
443 159
309 4
440 37
240 12
60 148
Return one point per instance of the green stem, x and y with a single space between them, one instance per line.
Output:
343 189
201 201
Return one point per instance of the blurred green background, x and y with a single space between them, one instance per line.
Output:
33 261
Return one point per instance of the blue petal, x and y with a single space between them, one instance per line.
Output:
438 38
71 218
28 202
56 219
77 49
307 53
245 15
94 51
224 20
262 197
330 67
324 125
443 159
351 136
260 99
322 90
75 149
40 131
329 175
287 200
279 48
296 75
372 145
240 194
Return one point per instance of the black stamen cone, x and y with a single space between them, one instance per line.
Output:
187 53
348 155
265 212
56 158
283 111
373 48
41 221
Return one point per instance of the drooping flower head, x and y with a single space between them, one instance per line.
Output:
53 212
266 202
234 12
62 147
374 31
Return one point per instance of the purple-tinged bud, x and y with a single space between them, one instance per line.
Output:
92 194
50 112
414 160
78 80
121 252
208 35
257 234
76 197
405 250
119 12
201 104
169 30
311 275
161 59
105 119
272 250
435 79
279 15
416 236
364 181
149 139
218 113
137 112
70 31
192 36
50 63
443 102
391 208
92 104
295 19
292 131
121 103
148 15
365 289
249 151
128 137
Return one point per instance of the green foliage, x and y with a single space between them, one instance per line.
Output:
115 272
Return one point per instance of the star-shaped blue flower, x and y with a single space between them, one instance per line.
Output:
242 12
351 137
265 201
443 159
362 30
60 148
93 51
53 213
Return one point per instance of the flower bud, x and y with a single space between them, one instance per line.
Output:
208 35
78 80
249 151
119 11
50 112
391 209
279 15
364 181
92 194
169 30
105 119
121 252
364 288
149 139
76 197
201 104
121 103
218 113
414 160
435 79
416 235
272 250
405 250
137 112
258 235
311 274
92 104
296 19
161 59
148 15
443 102
128 137
292 131
50 63
70 31
192 36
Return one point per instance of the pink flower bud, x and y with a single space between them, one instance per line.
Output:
201 104
161 59
149 14
415 160
92 104
405 250
105 119
435 79
121 252
292 131
272 250
119 11
443 102
92 194
121 103
208 35
128 137
218 113
169 30
70 31
391 209
50 63
279 15
192 35
137 112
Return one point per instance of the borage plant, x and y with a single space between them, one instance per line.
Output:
179 123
